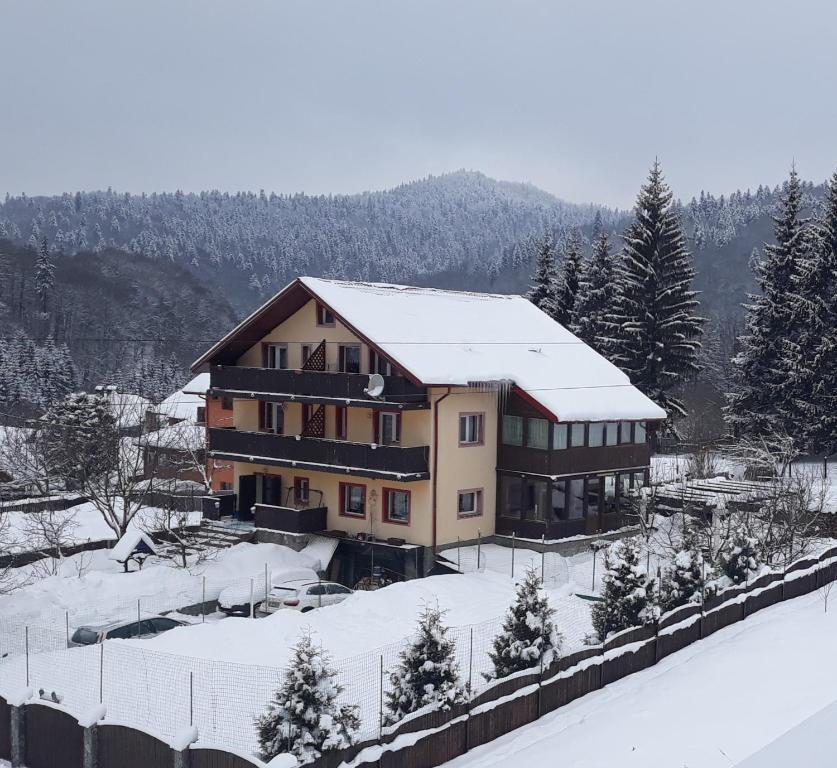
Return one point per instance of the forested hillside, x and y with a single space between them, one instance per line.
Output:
184 259
85 319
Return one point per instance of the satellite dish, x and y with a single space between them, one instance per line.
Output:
375 388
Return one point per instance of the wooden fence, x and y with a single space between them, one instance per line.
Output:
54 739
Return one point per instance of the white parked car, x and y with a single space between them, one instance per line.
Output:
235 599
304 596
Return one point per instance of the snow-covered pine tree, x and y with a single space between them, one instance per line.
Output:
427 672
596 298
760 406
658 334
568 282
811 408
529 636
44 275
683 580
304 717
739 558
628 599
545 280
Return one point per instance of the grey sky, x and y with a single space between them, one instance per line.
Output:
348 95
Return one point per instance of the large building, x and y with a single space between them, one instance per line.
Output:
485 415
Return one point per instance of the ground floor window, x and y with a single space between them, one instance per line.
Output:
396 506
352 500
269 490
301 489
524 498
469 503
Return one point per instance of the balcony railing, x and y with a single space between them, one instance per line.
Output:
327 385
290 519
384 461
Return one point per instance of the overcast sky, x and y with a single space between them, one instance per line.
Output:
348 95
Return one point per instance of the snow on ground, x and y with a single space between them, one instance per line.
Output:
710 705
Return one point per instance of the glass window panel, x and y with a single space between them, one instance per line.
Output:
398 506
534 499
639 432
510 495
575 498
596 434
578 435
560 432
625 432
512 430
559 500
612 432
639 479
593 490
537 434
609 493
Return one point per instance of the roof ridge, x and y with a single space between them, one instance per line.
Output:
411 288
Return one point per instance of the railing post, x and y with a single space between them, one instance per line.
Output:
18 735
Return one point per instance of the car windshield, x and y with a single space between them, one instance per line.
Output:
85 636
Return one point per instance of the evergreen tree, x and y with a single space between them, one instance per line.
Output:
427 672
811 347
44 275
658 334
628 599
739 558
684 579
596 298
568 282
545 280
529 636
304 717
761 405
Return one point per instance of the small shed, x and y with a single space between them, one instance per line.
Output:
134 545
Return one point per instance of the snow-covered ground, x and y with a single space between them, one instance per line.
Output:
710 705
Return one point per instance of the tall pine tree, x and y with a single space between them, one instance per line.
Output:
762 404
657 333
44 275
568 282
596 297
545 280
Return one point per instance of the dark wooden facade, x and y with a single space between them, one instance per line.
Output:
310 520
381 461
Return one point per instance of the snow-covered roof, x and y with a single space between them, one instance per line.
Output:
183 436
129 409
127 545
458 338
184 403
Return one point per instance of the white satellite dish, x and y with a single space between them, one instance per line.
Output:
375 388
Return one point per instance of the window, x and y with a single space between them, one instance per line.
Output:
341 426
610 503
470 428
269 490
352 500
389 429
200 416
510 496
163 625
469 503
559 500
304 354
575 498
639 479
594 489
535 499
349 358
596 434
307 413
379 364
612 432
624 432
275 355
337 589
537 433
639 432
324 315
273 417
226 403
578 435
301 488
512 430
396 506
560 433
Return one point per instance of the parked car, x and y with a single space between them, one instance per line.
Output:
147 626
235 599
304 596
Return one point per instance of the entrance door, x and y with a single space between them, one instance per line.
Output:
246 496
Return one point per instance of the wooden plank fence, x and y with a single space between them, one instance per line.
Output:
54 739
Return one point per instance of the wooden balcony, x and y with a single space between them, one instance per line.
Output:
322 455
327 387
290 519
572 461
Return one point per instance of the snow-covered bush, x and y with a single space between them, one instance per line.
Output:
739 558
529 636
683 581
304 717
628 599
427 672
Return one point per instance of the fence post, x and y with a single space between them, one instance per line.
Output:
470 691
513 537
191 698
139 629
252 612
101 672
18 735
67 626
479 548
26 641
91 746
381 702
458 555
543 557
266 583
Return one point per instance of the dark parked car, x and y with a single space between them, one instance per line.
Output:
148 626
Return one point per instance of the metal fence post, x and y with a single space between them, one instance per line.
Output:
458 555
381 702
513 537
543 557
67 626
252 612
139 629
26 641
191 698
479 547
203 599
266 583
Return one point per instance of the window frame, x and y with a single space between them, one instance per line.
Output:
593 428
276 346
341 422
640 425
385 496
478 503
503 433
380 364
341 357
572 442
626 432
480 420
271 407
557 428
344 488
301 482
527 441
323 312
379 423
